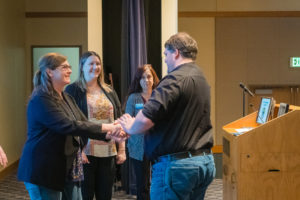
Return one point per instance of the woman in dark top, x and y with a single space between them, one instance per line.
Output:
51 161
100 104
145 80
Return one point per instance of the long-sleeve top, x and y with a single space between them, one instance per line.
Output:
135 142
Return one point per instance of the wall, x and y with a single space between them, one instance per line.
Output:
56 6
54 30
205 38
12 78
255 51
237 5
95 26
234 49
168 26
18 33
257 5
203 30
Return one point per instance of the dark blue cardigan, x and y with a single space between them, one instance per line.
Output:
51 144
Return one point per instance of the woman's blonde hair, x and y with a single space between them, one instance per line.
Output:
81 80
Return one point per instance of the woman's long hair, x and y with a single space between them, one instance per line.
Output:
41 78
135 86
81 80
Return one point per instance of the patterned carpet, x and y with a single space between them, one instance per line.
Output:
11 189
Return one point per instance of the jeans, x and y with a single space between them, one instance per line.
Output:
182 179
37 192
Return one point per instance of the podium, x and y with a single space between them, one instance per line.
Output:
263 163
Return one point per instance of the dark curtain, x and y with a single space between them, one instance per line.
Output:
134 54
134 49
116 38
153 34
131 37
111 26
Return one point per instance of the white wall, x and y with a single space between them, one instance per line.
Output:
169 26
95 26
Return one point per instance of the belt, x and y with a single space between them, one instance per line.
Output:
182 155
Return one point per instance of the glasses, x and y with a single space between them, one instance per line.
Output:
65 67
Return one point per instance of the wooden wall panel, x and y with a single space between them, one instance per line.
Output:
254 51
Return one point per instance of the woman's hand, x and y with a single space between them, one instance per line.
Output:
85 159
3 158
121 156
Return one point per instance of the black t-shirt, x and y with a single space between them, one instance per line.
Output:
180 109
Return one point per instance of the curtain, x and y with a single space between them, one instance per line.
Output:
133 55
134 49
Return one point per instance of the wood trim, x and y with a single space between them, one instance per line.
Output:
240 14
56 14
8 170
217 149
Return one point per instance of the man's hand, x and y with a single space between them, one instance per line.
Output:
3 158
116 133
126 122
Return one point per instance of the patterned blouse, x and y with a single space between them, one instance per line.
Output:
100 110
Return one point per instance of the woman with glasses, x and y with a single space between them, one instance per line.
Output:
100 104
51 163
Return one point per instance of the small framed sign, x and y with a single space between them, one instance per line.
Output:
295 62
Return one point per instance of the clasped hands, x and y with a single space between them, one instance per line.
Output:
121 129
116 133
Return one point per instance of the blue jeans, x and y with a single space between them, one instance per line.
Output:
37 192
182 179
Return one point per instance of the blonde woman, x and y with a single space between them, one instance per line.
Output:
100 104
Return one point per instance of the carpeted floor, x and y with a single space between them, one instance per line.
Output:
11 189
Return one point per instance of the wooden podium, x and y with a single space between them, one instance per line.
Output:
263 163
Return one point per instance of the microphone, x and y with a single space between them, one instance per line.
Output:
246 89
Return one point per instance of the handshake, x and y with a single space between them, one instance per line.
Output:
119 130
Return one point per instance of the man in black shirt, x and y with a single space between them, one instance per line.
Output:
177 117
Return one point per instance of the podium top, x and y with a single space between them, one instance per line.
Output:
249 122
